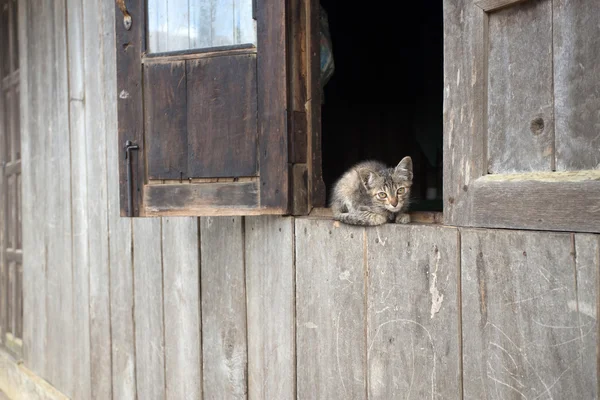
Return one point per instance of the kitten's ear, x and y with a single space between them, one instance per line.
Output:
367 178
405 167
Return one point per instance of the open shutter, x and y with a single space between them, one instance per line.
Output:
202 101
522 114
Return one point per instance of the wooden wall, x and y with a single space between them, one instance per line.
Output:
267 307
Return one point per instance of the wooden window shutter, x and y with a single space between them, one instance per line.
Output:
521 119
209 126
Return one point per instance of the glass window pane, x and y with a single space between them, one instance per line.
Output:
198 24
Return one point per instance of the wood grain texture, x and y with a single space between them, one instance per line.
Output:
197 199
97 181
412 324
317 190
221 116
148 313
270 285
120 230
330 310
299 192
79 213
224 330
525 332
165 112
465 102
34 148
576 31
568 205
57 218
129 45
272 103
494 5
520 99
587 264
181 266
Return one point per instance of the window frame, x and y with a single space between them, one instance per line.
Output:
270 192
561 201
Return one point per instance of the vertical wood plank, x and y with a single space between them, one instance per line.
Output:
58 226
272 107
524 331
222 144
120 233
465 102
330 310
576 31
412 333
181 264
79 240
166 120
520 100
587 256
270 285
34 148
96 152
149 323
224 345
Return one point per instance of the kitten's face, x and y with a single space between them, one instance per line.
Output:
389 194
390 188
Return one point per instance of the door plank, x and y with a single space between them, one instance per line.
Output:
520 100
524 329
149 322
224 344
181 264
412 328
270 285
330 314
221 114
576 70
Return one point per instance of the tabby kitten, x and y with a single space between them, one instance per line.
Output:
372 194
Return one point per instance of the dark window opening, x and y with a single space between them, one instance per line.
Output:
384 99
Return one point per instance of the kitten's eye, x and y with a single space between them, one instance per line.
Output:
382 195
401 190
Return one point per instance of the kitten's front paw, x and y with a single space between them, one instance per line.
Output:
402 218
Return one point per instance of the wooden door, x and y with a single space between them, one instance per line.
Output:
202 98
521 114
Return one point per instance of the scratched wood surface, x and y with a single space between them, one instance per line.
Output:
330 310
181 271
97 181
79 203
526 326
224 329
520 104
412 312
576 31
148 312
57 171
271 302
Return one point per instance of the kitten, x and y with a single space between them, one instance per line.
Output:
372 194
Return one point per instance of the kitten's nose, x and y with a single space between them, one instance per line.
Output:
394 201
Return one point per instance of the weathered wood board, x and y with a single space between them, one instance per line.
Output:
149 319
97 182
576 30
412 314
121 241
79 214
270 286
224 334
181 270
520 99
330 310
525 330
